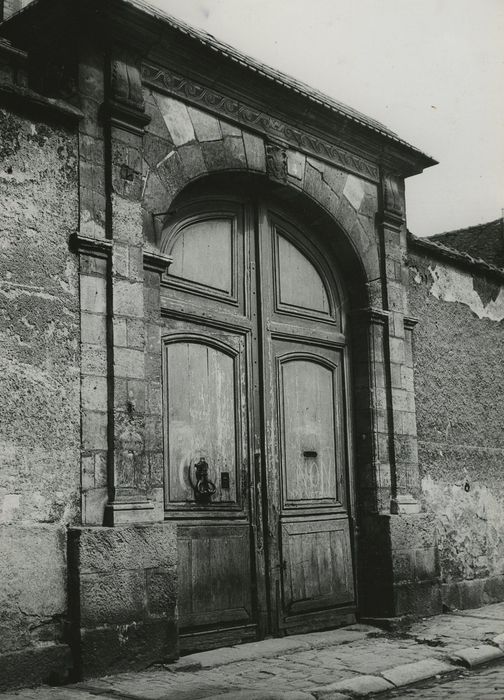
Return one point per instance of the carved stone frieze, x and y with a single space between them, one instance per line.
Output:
209 99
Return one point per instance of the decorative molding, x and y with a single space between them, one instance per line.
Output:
123 117
276 162
410 322
156 262
376 316
405 504
84 245
209 99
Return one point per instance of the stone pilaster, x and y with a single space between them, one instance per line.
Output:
399 561
134 491
402 416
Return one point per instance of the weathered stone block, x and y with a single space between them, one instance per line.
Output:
93 359
235 150
123 594
32 570
93 328
128 298
254 151
120 259
206 127
35 665
112 598
127 220
177 120
129 363
354 191
93 505
124 548
230 129
296 164
192 160
94 430
127 647
136 334
94 393
93 294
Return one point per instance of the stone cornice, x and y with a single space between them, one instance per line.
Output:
97 247
206 98
23 96
155 261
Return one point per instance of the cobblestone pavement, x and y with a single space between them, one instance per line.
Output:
302 666
486 684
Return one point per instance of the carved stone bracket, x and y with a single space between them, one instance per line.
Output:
125 108
207 98
393 210
276 162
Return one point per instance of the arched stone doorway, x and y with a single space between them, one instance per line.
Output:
257 399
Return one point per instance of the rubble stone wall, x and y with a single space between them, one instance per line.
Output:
39 387
459 382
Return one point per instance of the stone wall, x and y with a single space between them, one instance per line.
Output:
459 381
39 387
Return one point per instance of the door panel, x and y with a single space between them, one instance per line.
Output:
318 565
315 557
202 421
214 566
203 253
254 365
307 426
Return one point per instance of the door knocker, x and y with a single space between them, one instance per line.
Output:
203 489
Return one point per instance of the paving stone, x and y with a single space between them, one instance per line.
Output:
475 656
317 640
494 612
416 671
360 687
262 695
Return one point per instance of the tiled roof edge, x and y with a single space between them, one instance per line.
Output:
276 76
466 229
455 256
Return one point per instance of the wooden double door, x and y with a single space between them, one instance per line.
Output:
256 426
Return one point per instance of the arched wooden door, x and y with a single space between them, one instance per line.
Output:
256 425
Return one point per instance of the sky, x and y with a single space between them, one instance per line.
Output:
431 70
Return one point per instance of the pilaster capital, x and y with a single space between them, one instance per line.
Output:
85 245
155 261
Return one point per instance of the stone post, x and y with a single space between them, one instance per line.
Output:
135 433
